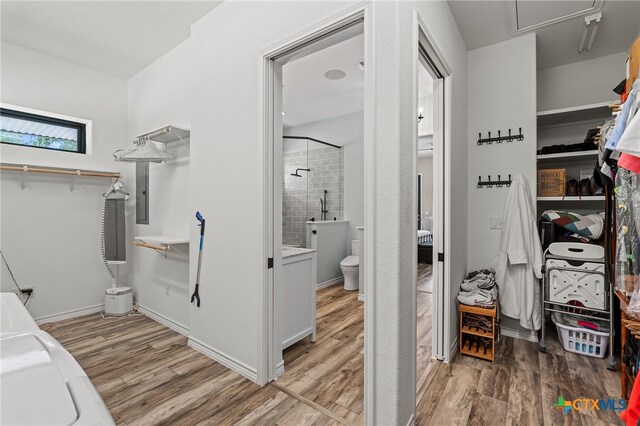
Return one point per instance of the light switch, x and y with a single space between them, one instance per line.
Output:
495 222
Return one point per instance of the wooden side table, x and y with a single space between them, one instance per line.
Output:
470 336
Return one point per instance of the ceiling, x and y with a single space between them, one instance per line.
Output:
115 37
485 22
307 95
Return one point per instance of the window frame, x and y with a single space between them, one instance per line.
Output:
49 119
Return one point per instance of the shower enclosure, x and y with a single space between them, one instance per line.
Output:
312 186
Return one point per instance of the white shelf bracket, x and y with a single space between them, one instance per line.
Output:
162 253
74 178
23 180
183 141
176 249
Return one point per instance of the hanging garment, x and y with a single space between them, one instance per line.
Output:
630 162
621 120
631 415
630 140
628 226
519 262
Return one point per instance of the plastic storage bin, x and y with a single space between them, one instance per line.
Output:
582 340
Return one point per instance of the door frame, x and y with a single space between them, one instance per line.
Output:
270 363
426 49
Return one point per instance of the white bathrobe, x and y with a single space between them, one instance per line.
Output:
519 261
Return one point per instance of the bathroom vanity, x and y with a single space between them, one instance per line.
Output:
299 271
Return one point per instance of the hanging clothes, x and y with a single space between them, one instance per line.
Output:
628 226
630 140
633 64
518 265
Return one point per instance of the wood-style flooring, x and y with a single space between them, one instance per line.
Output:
147 375
425 278
521 388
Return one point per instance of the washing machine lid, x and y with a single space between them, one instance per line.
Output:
14 318
350 261
34 391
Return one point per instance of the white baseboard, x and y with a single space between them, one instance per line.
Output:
412 420
231 363
162 319
329 283
280 369
519 334
70 314
360 297
297 337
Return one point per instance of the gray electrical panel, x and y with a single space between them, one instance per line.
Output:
142 193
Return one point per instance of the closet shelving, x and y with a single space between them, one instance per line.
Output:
573 198
168 134
569 126
160 243
593 153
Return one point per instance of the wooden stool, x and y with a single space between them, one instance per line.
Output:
469 336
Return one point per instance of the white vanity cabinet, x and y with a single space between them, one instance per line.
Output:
299 270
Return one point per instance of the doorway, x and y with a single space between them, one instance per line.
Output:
339 29
316 183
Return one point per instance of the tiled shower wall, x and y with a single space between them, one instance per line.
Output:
301 195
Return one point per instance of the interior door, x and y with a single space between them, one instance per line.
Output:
439 309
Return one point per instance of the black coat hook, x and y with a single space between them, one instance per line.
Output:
499 139
491 183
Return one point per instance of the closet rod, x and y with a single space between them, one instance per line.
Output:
57 171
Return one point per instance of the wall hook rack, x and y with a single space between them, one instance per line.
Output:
499 139
490 183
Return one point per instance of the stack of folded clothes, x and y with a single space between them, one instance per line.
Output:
479 289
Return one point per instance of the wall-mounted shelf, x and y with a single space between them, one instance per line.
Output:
568 155
73 173
160 243
573 114
573 198
168 134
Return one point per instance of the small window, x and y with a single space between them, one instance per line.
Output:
39 131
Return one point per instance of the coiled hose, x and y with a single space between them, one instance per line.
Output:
102 250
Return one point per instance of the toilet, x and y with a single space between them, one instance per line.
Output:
350 266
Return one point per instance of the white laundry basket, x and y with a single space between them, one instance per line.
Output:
582 340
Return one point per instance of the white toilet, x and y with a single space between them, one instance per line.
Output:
350 266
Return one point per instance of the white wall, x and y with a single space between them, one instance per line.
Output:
159 95
426 104
501 96
51 236
389 213
348 132
502 81
226 163
580 83
227 168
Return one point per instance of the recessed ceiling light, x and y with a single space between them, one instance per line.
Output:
335 74
284 113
